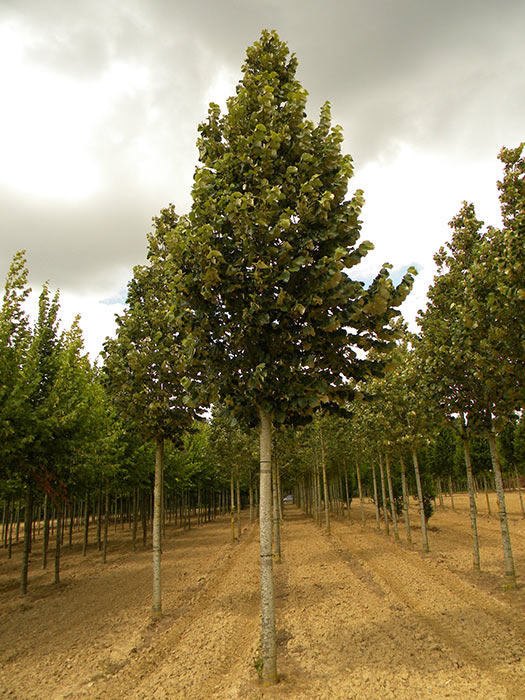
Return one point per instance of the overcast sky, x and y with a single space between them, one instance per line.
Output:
101 102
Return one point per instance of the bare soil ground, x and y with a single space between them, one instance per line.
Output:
358 615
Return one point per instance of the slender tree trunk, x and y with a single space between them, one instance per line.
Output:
106 524
10 538
451 491
238 509
424 535
405 500
510 572
486 489
391 494
135 518
268 637
383 494
360 488
518 486
28 512
99 520
347 494
60 519
472 505
86 525
376 497
45 543
252 513
71 524
144 518
325 484
276 519
156 605
232 505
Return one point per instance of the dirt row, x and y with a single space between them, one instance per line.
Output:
358 616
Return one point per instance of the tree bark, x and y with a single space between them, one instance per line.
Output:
376 497
424 535
510 572
232 505
517 479
156 605
106 524
86 525
268 637
325 484
60 518
28 512
383 494
391 494
361 503
405 500
276 516
45 542
472 504
238 509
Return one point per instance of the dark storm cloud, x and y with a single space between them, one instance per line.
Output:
439 75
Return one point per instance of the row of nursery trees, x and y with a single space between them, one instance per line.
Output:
246 303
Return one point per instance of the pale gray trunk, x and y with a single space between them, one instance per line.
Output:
347 495
232 505
106 525
405 500
518 486
45 543
376 497
86 525
276 517
252 510
60 517
451 492
383 494
486 488
238 507
325 484
361 503
424 535
510 572
156 603
28 523
472 504
391 494
268 637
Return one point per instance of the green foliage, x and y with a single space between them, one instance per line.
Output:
266 248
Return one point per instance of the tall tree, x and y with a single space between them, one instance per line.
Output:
268 241
145 367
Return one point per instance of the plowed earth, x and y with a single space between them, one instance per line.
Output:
359 615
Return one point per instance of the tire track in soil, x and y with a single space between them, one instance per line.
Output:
477 629
347 635
192 658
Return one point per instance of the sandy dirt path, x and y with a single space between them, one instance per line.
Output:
359 616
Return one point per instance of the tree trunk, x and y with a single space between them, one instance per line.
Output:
238 509
360 488
486 489
28 511
510 572
252 511
232 505
60 518
376 497
106 524
45 543
135 519
391 494
517 479
325 484
99 520
451 492
86 525
276 516
472 505
383 494
405 500
268 640
424 535
347 493
156 605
